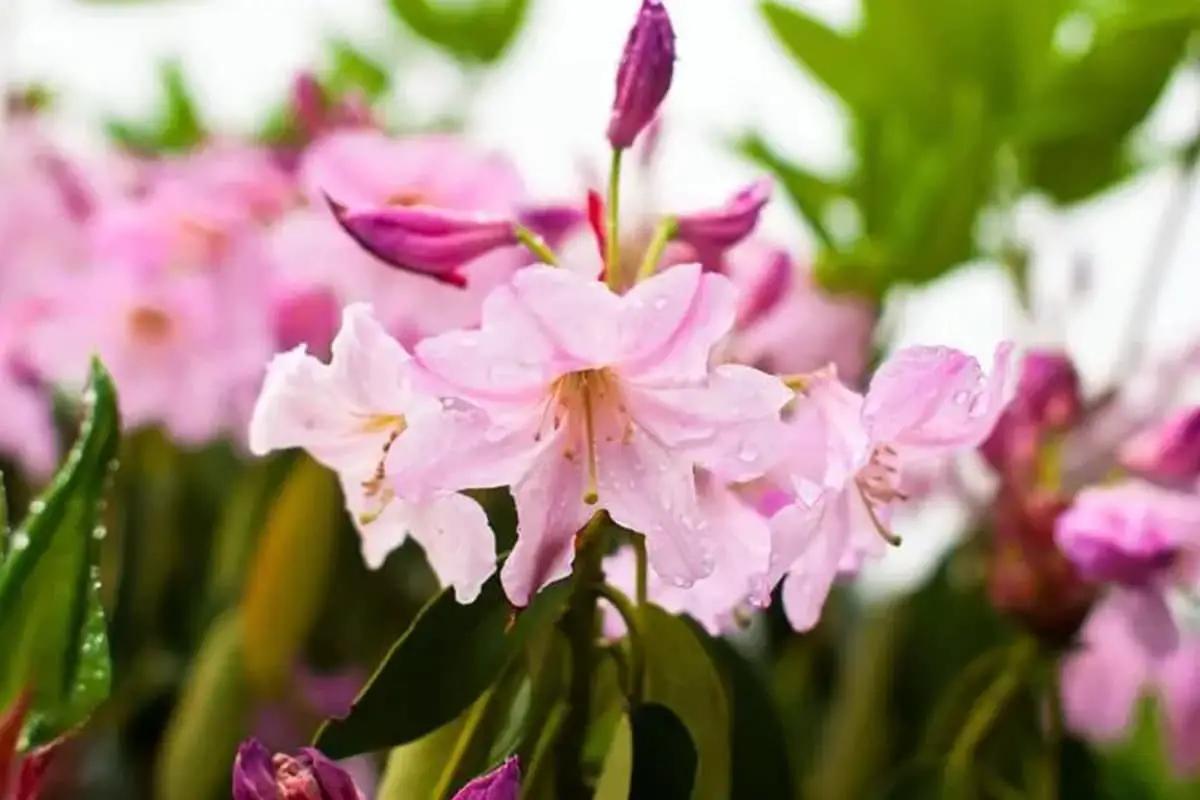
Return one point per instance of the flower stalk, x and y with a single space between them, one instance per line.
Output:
612 244
663 233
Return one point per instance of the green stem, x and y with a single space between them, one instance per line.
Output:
579 627
633 625
612 228
1054 733
663 235
639 551
536 245
984 716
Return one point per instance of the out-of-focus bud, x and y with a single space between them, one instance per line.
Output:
644 76
1169 453
309 775
431 241
771 285
553 223
306 315
1028 577
502 783
722 228
1047 398
310 105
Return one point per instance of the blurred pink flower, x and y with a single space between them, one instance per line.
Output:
348 414
787 324
595 401
1168 452
846 453
1103 680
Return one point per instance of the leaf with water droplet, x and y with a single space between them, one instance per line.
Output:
51 622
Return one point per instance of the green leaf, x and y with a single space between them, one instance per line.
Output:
51 623
178 126
833 59
681 676
352 69
760 761
664 758
446 659
480 33
618 764
810 193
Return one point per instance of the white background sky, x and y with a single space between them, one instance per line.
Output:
548 109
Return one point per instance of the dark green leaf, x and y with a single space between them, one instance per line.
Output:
832 58
1077 167
760 758
448 657
51 622
681 676
811 194
480 33
664 758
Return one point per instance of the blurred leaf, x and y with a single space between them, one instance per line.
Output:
1075 168
832 58
547 662
760 756
664 758
209 720
288 579
681 676
448 657
51 623
414 768
811 194
352 69
178 127
480 33
617 774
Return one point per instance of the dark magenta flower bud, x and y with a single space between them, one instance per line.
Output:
644 76
722 228
502 783
436 242
1047 398
309 775
1169 453
554 223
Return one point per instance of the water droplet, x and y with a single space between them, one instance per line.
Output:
747 454
961 397
99 532
632 484
20 541
37 507
660 303
680 582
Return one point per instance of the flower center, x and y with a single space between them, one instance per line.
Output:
590 401
404 198
150 325
878 483
375 487
201 244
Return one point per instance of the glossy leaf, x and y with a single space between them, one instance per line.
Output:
53 628
480 33
760 761
288 577
448 657
681 676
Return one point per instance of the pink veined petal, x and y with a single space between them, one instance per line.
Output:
686 356
795 531
841 409
936 399
369 363
387 528
453 531
811 578
578 315
550 511
1149 620
654 310
648 490
1103 679
509 360
459 447
1179 689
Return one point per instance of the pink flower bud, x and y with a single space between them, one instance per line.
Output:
1169 453
309 775
553 223
431 241
723 227
769 288
502 783
1047 397
644 76
310 105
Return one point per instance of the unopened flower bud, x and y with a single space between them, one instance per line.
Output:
644 76
502 783
310 105
1047 398
722 228
431 241
770 285
309 775
553 223
1169 453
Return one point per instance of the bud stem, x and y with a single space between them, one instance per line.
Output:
613 254
663 234
633 626
536 245
639 550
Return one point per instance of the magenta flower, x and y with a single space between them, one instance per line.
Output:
1168 453
742 543
348 414
1106 677
594 400
502 783
644 76
1048 397
429 241
1138 537
846 456
721 228
309 775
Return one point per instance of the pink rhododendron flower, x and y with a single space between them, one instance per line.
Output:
1104 679
347 415
594 401
742 542
847 453
1169 452
1141 539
